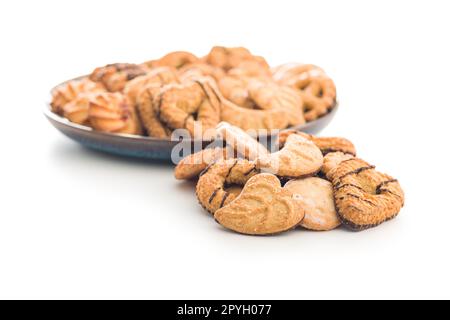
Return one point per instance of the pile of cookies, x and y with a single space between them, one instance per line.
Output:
183 91
316 183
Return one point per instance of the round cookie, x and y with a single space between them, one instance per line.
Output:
364 197
315 195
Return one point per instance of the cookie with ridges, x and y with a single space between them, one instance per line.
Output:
77 110
299 157
69 91
212 185
111 112
315 196
364 197
262 208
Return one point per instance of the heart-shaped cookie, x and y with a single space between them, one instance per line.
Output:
299 157
262 208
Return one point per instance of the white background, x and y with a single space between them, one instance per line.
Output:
79 224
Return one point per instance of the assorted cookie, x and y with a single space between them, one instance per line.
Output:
316 183
183 91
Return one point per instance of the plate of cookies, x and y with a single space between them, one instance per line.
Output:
145 110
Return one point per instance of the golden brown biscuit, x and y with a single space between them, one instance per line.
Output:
191 166
212 185
77 110
272 96
255 68
69 91
262 94
238 140
299 157
315 87
285 72
364 197
111 112
200 69
325 144
315 196
253 119
262 208
228 58
333 159
155 77
190 106
176 59
115 76
147 105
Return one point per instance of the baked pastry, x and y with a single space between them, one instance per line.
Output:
115 76
315 87
325 144
77 110
176 59
212 186
229 58
148 104
191 166
193 106
254 119
262 208
333 159
70 90
200 69
299 157
155 77
364 197
257 67
315 196
111 112
240 141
